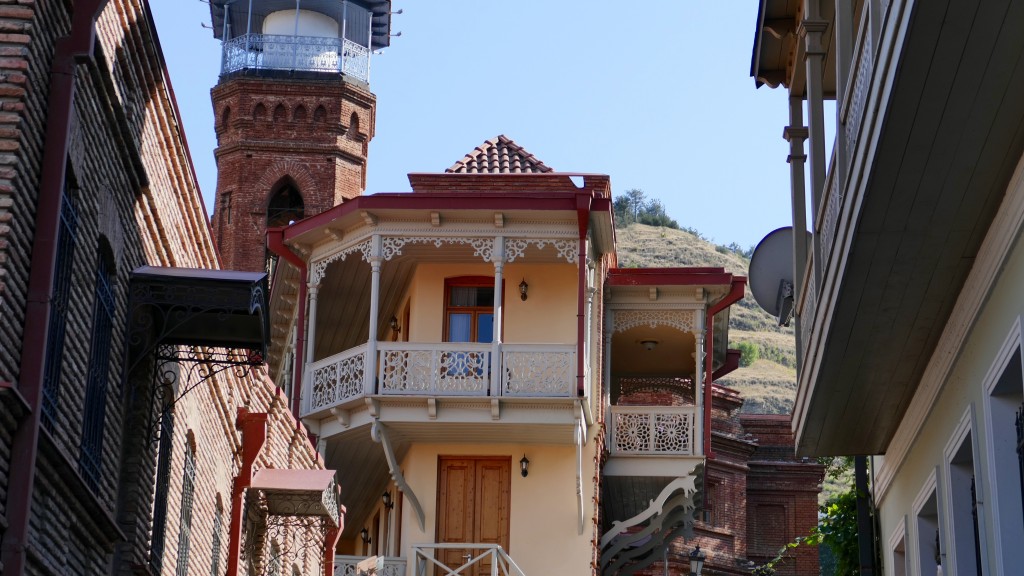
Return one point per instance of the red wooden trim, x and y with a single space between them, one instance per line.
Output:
532 201
254 434
470 281
669 277
583 203
734 295
276 245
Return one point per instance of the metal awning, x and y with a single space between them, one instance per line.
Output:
198 307
298 492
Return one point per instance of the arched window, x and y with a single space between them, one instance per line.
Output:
285 205
280 114
300 113
320 114
260 112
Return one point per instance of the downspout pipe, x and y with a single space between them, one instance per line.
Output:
254 435
583 204
275 241
69 51
735 294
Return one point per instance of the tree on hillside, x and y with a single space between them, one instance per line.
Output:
634 207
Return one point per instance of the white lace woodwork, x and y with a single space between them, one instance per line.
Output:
682 320
452 369
538 370
387 566
646 431
317 268
483 248
337 379
516 247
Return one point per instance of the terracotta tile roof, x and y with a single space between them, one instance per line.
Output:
499 155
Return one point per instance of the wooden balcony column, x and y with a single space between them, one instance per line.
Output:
311 298
845 37
499 267
376 257
698 383
795 134
812 26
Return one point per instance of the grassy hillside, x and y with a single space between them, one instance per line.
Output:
769 384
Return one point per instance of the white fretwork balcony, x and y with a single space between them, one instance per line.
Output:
444 369
651 430
301 53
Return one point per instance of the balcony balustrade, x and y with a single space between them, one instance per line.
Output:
443 369
304 53
388 566
651 430
484 558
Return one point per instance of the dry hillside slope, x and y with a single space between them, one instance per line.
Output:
769 383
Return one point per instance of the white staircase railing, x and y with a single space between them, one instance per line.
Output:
476 555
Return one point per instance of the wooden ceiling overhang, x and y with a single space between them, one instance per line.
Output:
778 52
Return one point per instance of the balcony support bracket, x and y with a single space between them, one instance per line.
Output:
495 409
379 433
432 408
343 416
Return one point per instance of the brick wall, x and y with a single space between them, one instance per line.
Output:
135 194
312 131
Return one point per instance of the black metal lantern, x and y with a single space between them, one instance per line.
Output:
388 502
523 287
524 466
696 562
364 535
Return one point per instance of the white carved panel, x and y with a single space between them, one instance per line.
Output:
339 380
682 320
654 430
391 246
532 373
567 249
319 267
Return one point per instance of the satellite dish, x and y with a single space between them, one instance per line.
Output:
771 274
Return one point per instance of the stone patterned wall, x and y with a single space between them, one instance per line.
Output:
136 193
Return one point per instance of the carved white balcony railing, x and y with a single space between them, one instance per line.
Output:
477 556
651 430
452 369
336 379
442 369
538 370
387 566
307 53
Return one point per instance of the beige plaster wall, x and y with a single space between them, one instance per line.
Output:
547 316
543 515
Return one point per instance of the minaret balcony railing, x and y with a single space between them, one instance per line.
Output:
303 53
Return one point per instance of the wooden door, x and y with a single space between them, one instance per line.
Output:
474 498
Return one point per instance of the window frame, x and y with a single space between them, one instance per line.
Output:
468 282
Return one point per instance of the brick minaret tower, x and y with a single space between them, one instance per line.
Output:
293 113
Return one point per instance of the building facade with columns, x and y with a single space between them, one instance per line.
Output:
908 304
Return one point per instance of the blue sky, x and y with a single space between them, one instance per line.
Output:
656 94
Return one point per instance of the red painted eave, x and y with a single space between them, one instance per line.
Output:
671 277
445 201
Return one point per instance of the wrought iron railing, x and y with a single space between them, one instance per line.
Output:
476 556
442 369
306 53
651 430
386 565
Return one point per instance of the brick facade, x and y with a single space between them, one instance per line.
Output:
137 202
757 495
274 130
